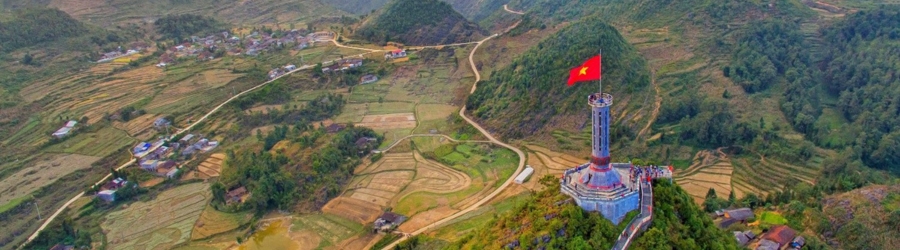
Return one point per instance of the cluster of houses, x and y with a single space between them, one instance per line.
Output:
155 157
65 129
135 48
276 72
777 238
343 64
108 190
253 44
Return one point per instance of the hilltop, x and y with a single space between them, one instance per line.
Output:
420 23
849 219
474 10
531 91
548 220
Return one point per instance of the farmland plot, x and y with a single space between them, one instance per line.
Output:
42 171
158 224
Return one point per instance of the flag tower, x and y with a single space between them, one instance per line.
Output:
599 184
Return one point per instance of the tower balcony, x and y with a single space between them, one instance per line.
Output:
600 100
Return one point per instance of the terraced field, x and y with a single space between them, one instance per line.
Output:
212 222
764 175
160 223
710 169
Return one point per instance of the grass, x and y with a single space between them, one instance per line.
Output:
772 218
391 108
12 203
477 219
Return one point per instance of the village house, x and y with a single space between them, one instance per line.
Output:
730 217
780 235
395 54
334 128
187 139
237 195
108 190
141 147
205 56
744 237
65 129
161 123
387 222
366 79
166 169
149 165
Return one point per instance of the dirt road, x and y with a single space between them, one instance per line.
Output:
462 113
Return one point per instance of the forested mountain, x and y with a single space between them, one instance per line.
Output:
546 221
419 22
855 78
114 13
531 92
183 26
30 27
474 10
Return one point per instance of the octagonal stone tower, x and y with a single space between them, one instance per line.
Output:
600 185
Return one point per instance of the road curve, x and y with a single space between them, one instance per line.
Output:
512 11
462 113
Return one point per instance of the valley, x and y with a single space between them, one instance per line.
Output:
404 124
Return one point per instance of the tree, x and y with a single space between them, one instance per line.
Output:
218 191
27 59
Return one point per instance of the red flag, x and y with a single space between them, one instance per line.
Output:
589 71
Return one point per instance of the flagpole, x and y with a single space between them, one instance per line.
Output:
599 69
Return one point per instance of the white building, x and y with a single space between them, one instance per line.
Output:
524 175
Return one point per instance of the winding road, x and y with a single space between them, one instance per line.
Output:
305 67
462 113
512 11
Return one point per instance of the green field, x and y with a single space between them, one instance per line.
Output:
772 218
462 225
482 163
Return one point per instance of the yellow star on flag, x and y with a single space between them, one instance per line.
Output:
583 71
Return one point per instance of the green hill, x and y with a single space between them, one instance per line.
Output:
419 22
34 26
546 221
114 13
531 92
474 10
864 218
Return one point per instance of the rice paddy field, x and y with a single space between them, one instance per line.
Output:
160 223
44 169
212 222
710 169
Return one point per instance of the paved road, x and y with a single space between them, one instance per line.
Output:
512 11
462 113
180 131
